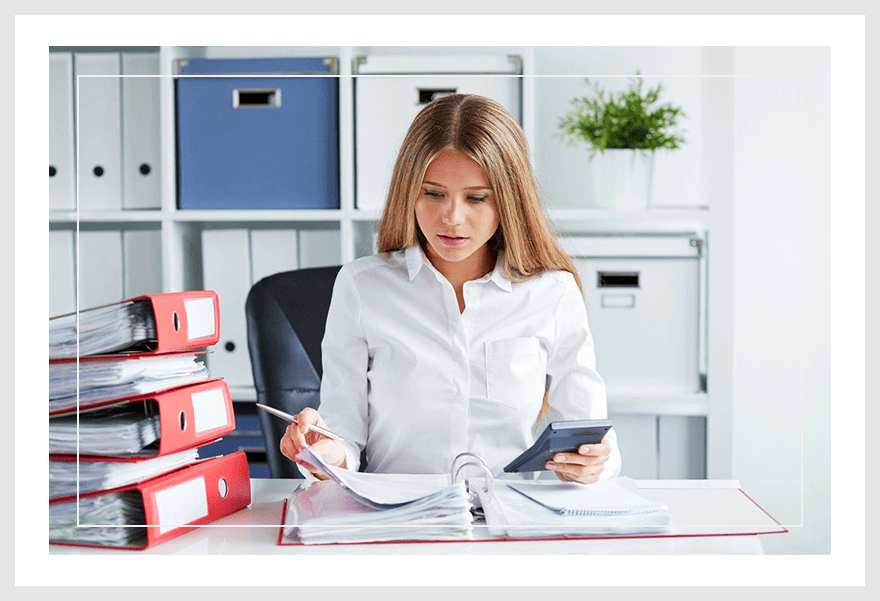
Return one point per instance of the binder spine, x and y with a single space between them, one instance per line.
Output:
185 320
194 415
195 495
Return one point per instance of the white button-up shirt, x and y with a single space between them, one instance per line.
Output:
416 381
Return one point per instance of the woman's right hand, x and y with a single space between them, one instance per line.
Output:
298 435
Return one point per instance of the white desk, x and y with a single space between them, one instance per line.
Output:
255 529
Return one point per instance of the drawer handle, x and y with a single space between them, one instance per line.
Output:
617 279
256 99
619 301
426 95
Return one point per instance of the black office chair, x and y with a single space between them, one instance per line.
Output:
286 315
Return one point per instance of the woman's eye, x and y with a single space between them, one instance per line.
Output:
476 198
433 194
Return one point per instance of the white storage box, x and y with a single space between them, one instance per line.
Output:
391 90
643 305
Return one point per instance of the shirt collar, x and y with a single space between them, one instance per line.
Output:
416 259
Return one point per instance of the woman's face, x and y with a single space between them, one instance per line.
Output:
456 211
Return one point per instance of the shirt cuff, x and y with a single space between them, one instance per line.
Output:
614 463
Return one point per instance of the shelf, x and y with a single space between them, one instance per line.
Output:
696 403
129 216
330 215
654 214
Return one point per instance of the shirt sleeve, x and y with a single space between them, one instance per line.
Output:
576 390
345 359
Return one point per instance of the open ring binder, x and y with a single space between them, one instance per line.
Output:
355 507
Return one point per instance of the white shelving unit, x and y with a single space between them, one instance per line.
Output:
180 230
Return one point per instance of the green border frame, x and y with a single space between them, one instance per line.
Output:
846 36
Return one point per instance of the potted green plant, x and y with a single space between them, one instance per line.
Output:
623 131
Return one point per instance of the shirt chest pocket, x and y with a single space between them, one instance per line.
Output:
516 372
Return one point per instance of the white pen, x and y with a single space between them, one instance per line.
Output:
293 420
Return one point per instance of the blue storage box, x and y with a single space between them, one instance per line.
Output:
257 136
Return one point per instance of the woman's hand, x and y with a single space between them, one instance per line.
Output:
298 435
585 466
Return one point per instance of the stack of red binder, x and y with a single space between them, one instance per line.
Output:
131 401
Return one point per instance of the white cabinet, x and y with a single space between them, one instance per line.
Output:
391 90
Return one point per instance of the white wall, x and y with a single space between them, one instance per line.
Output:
759 157
781 302
563 171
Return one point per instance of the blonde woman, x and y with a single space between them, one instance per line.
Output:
467 325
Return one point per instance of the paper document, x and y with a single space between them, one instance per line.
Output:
552 509
120 378
379 493
116 513
606 497
102 330
361 507
113 431
106 475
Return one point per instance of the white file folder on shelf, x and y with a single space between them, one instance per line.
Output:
98 131
227 271
140 131
385 106
273 251
319 248
100 268
62 175
62 281
142 272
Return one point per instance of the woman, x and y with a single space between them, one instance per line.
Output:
468 325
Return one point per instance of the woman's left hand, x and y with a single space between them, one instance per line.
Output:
585 466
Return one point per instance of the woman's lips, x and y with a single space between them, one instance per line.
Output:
452 240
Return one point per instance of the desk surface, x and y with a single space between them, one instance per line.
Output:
254 531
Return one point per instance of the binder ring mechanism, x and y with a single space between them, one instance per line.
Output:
465 459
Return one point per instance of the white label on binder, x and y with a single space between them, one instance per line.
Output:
199 317
182 504
209 410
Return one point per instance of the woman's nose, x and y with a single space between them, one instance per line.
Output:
453 211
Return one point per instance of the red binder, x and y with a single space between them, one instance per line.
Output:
176 502
189 416
185 320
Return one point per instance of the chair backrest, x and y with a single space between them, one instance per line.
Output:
286 315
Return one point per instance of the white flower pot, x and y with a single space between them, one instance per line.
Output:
622 179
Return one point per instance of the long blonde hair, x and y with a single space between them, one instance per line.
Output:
483 130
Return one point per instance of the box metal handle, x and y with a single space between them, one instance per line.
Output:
426 95
264 98
617 279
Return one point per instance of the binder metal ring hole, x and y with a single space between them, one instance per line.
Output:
98 171
182 421
223 487
144 169
229 346
52 171
176 321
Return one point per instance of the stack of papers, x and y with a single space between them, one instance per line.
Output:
120 378
105 475
125 430
551 509
106 329
108 520
353 507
